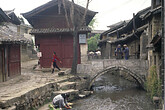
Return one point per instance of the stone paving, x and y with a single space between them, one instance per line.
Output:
27 81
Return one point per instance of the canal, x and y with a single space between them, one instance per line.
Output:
112 92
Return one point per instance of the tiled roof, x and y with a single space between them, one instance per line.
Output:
3 16
8 36
13 17
127 37
141 29
53 3
30 15
57 30
151 12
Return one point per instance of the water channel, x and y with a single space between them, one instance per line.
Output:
115 93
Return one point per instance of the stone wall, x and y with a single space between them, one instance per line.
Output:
139 67
143 46
32 99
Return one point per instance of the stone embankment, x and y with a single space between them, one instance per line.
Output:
32 89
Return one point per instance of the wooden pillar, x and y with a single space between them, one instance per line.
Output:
110 50
1 65
163 46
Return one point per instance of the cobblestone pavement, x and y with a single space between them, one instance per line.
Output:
28 80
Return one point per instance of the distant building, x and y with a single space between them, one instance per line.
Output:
53 34
10 41
94 32
27 50
126 32
19 27
154 35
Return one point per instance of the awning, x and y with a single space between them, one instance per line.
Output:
58 30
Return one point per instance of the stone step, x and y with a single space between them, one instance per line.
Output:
72 92
65 79
66 85
12 108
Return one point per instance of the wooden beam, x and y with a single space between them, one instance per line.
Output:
134 25
163 49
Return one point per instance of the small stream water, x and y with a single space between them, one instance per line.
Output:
114 93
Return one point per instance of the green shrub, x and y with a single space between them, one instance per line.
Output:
153 84
92 42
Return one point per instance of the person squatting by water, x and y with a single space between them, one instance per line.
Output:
60 101
54 64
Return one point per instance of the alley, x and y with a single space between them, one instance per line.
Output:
29 80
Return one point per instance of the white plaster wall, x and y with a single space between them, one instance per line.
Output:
11 26
83 50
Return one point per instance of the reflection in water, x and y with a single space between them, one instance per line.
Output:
114 93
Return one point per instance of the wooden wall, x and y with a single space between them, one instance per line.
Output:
50 19
62 44
9 61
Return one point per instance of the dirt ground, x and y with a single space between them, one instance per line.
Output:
28 80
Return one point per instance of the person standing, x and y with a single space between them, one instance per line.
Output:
54 64
118 52
126 52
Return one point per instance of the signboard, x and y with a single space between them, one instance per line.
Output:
82 39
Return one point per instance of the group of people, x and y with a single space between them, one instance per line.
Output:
122 52
59 101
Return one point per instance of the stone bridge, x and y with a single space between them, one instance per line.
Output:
137 69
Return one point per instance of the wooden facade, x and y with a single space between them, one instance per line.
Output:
62 45
10 63
52 32
154 35
126 32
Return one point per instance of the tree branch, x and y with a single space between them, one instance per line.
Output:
86 9
66 14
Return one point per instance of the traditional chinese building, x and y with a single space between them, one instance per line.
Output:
53 34
10 63
154 34
106 51
126 32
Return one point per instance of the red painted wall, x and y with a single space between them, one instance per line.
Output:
62 44
10 59
50 19
14 60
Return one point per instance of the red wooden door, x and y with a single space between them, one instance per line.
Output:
48 45
62 45
14 60
67 50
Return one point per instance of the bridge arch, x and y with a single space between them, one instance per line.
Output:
135 76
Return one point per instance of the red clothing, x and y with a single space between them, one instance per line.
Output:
55 58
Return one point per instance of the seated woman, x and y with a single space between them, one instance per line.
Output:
60 101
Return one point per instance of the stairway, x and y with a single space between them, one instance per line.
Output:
67 87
